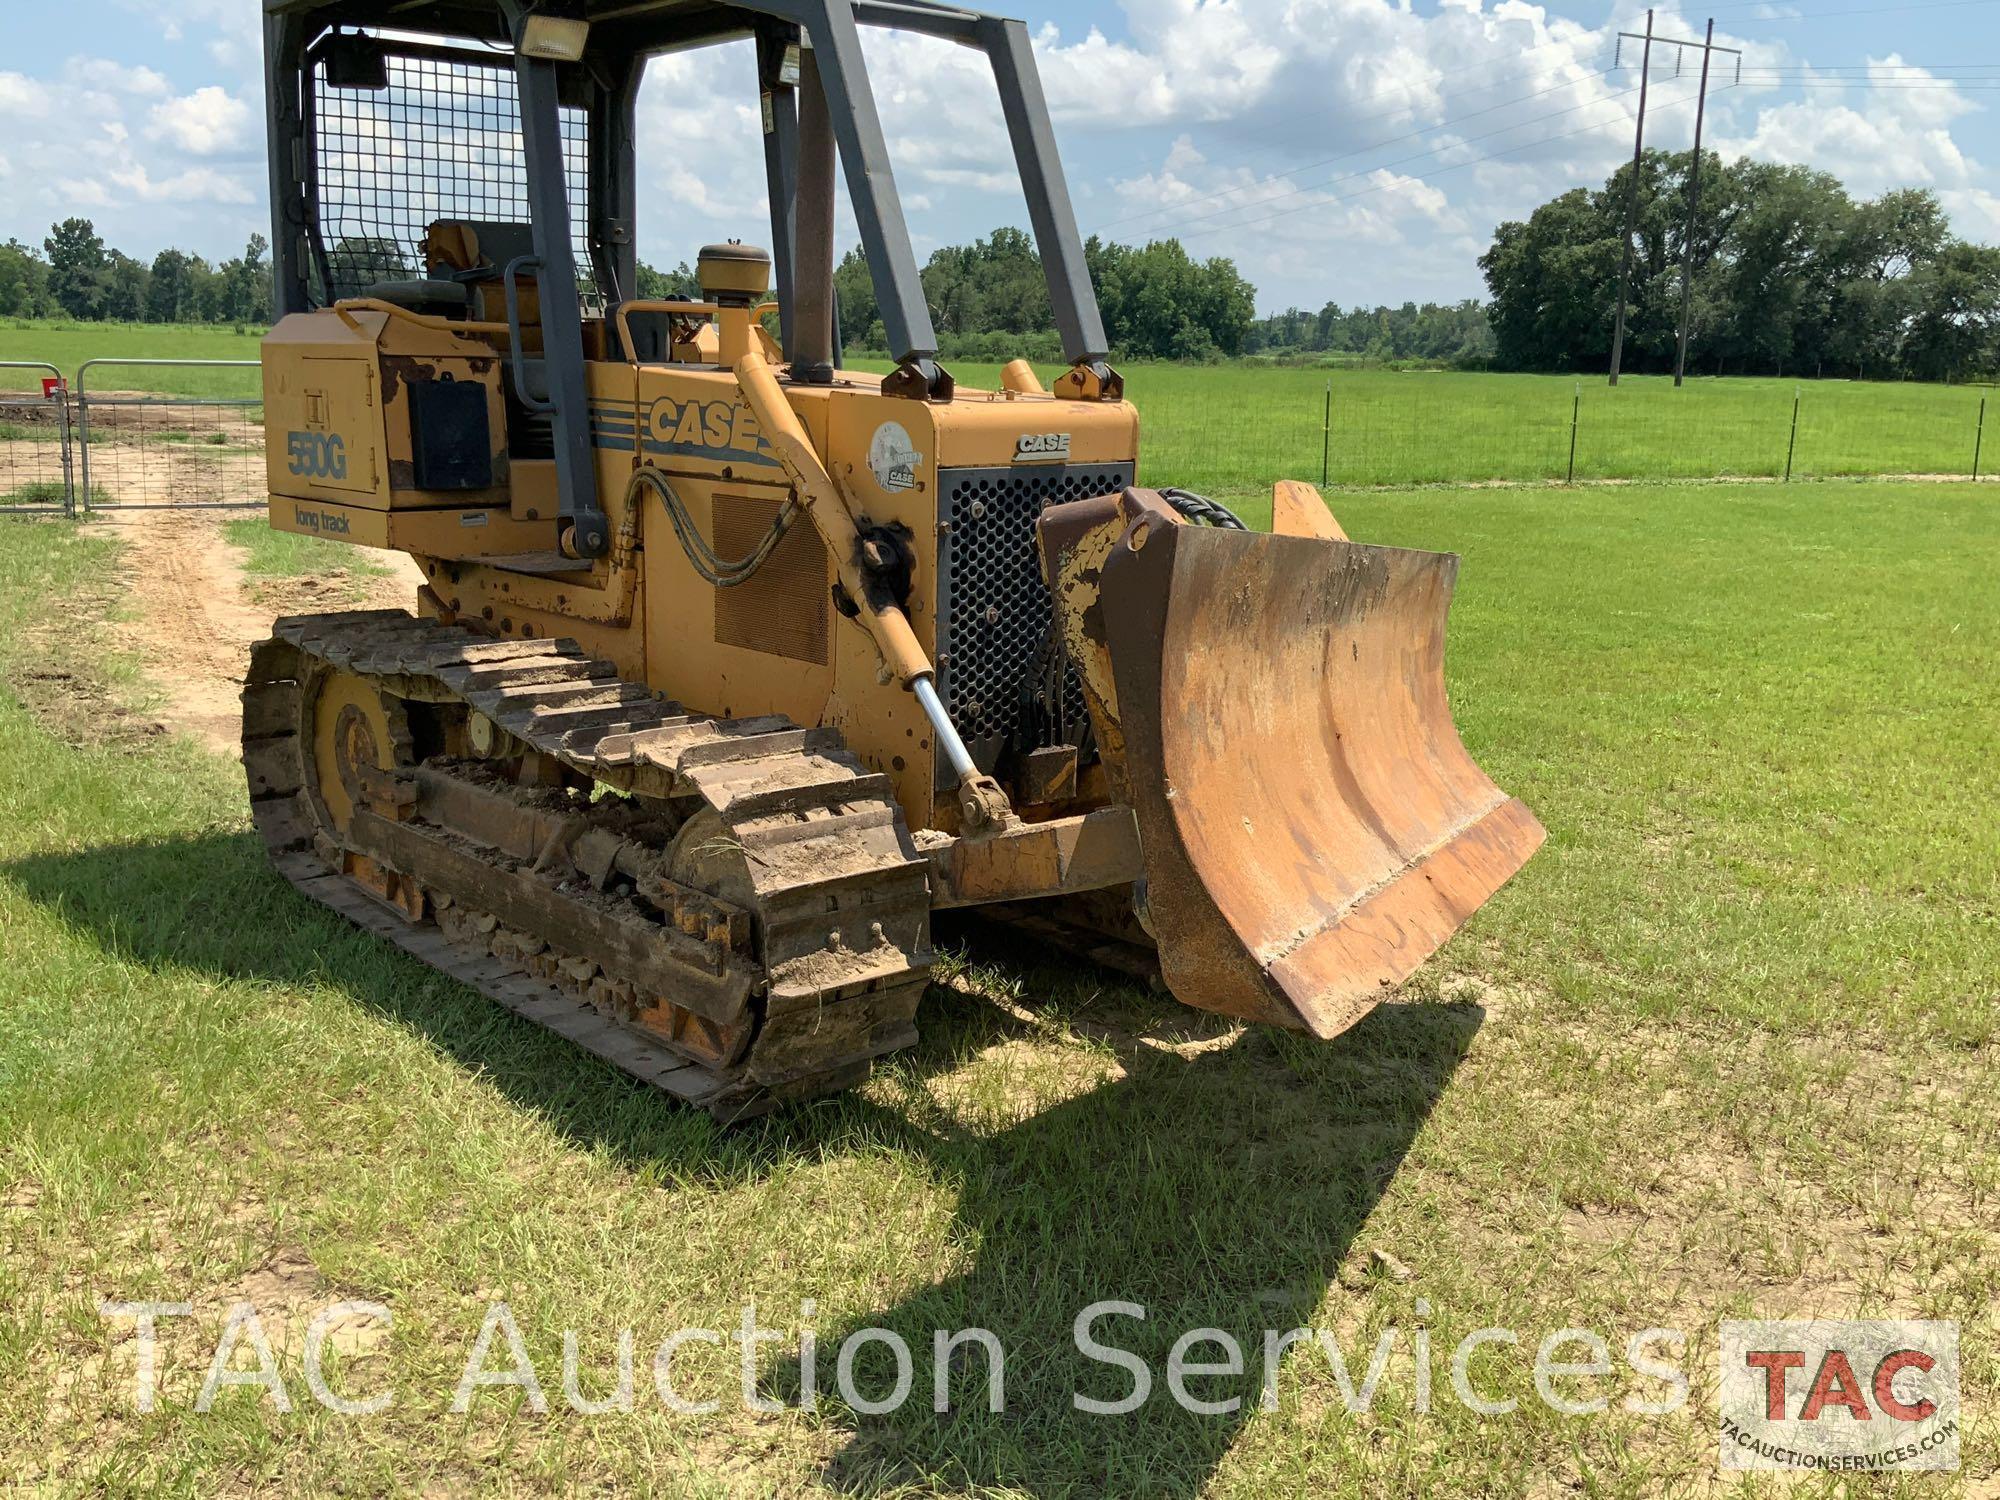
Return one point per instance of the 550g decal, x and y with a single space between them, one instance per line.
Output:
317 455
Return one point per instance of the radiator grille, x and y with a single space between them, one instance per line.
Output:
994 611
782 609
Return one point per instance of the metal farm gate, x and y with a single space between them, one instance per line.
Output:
170 432
131 433
37 454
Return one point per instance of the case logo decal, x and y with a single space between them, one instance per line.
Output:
893 458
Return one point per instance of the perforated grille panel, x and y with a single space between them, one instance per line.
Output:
442 141
782 609
994 610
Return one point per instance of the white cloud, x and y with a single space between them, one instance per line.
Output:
195 185
116 143
1348 148
233 26
105 76
72 194
1975 213
1894 132
207 122
23 96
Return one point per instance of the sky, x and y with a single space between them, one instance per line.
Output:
1356 151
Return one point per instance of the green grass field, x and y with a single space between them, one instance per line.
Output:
1725 1047
68 345
1233 429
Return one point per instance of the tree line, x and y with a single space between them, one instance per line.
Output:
1456 334
988 300
73 275
1791 275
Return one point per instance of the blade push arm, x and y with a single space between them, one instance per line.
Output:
981 801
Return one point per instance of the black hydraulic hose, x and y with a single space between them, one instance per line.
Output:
1202 510
717 570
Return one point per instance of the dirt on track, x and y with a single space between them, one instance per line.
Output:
192 613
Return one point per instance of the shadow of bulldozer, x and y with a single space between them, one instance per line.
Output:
1215 1186
1218 1191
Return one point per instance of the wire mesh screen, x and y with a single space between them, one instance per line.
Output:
441 141
35 454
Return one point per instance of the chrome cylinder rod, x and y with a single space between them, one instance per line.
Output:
954 747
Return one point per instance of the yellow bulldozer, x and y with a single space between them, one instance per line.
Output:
732 664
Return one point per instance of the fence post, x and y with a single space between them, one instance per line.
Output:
1326 437
1575 409
83 432
1978 439
72 501
1792 446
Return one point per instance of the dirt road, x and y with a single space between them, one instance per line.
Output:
193 614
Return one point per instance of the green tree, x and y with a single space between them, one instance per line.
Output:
993 285
990 299
1552 279
170 295
1790 273
24 282
246 284
125 288
1954 327
354 263
681 282
1160 303
854 292
76 268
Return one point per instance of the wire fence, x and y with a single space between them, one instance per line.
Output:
131 432
150 447
175 432
1242 431
36 452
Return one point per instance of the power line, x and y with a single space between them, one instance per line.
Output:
1972 86
1393 140
1632 200
1173 210
1428 176
1813 15
1269 140
1878 10
1871 67
1694 205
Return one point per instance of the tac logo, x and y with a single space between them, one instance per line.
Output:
317 455
705 429
1853 1397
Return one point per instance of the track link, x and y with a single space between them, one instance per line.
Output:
747 923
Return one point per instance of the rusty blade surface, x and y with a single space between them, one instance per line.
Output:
1312 826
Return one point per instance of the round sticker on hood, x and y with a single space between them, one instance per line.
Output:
894 458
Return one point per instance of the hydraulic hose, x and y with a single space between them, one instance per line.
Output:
715 569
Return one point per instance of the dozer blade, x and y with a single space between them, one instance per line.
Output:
1273 708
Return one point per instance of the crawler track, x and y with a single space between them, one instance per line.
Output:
745 922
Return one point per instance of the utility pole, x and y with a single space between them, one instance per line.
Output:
1708 48
1632 204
